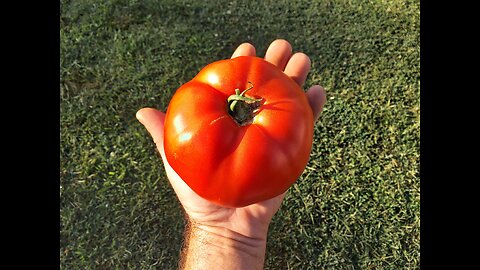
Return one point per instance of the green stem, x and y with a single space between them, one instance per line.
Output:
242 108
240 97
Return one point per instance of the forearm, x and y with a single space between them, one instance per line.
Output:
208 247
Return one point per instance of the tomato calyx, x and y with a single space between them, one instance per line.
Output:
243 108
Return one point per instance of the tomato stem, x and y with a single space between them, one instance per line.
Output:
240 97
242 107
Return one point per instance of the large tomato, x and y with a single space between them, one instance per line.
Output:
242 156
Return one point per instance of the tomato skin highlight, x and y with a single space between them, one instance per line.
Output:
236 165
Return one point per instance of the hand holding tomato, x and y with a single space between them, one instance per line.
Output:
251 221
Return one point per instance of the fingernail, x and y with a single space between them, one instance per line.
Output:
139 116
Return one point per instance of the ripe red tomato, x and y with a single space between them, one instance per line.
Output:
253 153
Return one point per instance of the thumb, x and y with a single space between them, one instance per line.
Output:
153 120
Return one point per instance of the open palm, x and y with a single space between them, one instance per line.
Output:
252 220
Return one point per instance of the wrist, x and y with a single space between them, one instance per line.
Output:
227 238
209 247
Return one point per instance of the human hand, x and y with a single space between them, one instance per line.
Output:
248 223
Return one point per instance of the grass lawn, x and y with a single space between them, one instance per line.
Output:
357 204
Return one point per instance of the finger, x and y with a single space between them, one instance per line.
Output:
317 97
245 49
298 67
278 53
153 121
